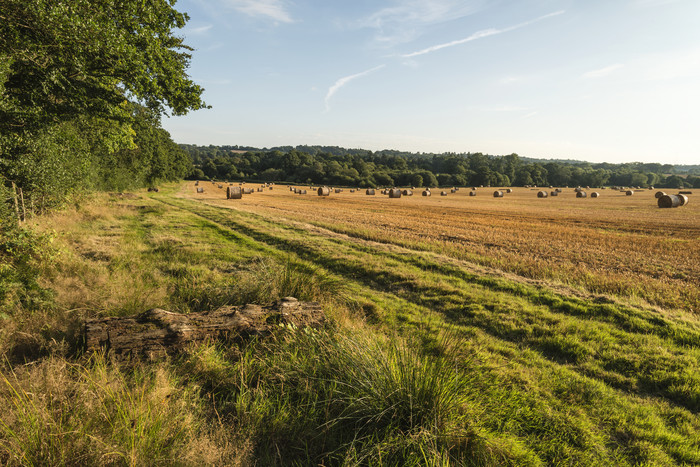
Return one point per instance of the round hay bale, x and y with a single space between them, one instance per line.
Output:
629 192
352 191
200 190
472 193
369 191
473 188
270 188
554 193
558 190
542 194
426 193
509 190
247 191
498 194
324 191
394 193
659 194
443 193
682 198
260 190
301 192
291 188
578 189
220 186
453 190
338 190
595 194
581 194
407 192
669 201
234 192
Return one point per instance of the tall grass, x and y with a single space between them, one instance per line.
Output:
96 413
333 398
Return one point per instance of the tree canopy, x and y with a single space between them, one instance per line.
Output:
355 167
83 85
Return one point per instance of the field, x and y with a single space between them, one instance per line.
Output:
465 330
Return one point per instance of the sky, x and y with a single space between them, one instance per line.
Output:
595 80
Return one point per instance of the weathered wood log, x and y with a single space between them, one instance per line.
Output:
158 331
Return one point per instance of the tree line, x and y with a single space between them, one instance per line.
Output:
332 165
83 86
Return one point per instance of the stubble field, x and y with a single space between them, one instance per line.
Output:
616 244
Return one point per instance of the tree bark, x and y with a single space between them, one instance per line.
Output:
159 331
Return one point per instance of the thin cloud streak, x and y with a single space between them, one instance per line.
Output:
273 9
408 18
479 35
345 80
603 71
199 30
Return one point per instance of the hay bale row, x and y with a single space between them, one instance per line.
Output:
234 192
394 193
672 201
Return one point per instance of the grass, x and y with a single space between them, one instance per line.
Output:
428 359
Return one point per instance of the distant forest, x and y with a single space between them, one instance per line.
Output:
357 167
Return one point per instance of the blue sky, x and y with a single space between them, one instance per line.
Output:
597 80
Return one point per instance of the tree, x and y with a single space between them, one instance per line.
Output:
80 57
71 72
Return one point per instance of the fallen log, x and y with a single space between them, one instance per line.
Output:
158 331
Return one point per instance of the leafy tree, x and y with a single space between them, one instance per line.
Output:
68 72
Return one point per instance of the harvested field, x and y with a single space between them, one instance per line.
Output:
625 247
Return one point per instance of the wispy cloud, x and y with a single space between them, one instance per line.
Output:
602 71
407 19
479 35
271 9
345 80
199 30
